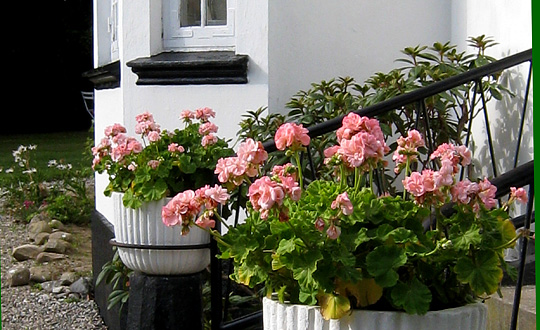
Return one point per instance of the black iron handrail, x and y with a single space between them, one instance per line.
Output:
518 177
419 94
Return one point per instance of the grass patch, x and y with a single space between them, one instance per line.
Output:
67 147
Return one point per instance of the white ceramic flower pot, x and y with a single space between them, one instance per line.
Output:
278 316
143 226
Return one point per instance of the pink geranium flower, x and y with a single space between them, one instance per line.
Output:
265 193
206 220
342 201
333 232
181 209
519 194
217 194
252 151
207 128
153 164
407 149
111 131
204 114
174 147
291 135
187 115
208 140
487 193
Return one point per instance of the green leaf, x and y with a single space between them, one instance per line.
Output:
382 262
463 241
482 272
288 245
155 191
413 297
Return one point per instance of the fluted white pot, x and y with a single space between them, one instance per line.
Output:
143 226
278 316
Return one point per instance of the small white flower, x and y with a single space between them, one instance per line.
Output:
52 163
32 170
9 170
32 147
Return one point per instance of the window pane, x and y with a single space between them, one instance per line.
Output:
216 12
190 13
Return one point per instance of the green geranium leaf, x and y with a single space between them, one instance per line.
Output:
361 237
463 241
382 262
482 272
413 297
303 268
288 245
249 274
155 191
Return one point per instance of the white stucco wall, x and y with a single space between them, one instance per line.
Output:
314 40
509 23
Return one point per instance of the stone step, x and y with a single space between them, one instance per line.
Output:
500 309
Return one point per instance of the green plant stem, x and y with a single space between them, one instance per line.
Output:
407 172
371 180
299 166
217 236
343 178
356 179
512 241
221 220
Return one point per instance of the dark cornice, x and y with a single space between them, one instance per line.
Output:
105 77
191 68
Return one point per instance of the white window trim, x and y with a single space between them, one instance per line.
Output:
113 30
196 38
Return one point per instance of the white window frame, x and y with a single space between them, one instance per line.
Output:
113 30
194 38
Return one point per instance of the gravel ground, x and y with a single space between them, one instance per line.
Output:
26 308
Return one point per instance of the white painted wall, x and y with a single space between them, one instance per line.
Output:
510 24
314 40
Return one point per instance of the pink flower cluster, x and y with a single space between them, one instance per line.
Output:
476 194
188 205
174 147
407 149
146 126
452 156
116 144
361 143
203 114
250 156
267 193
206 129
430 187
291 135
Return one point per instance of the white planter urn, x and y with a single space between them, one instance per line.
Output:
137 230
278 316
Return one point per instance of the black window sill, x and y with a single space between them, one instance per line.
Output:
105 77
191 68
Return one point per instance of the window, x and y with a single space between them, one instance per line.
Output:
198 24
